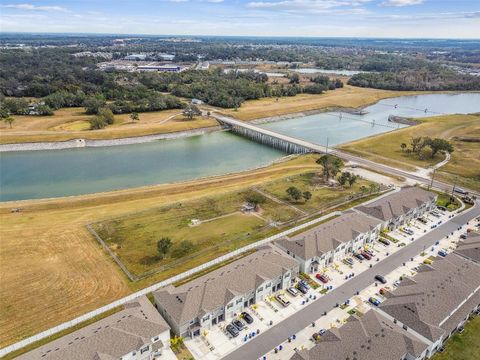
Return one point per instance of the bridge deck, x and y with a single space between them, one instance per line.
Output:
306 144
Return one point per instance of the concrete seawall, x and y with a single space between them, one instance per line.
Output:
81 143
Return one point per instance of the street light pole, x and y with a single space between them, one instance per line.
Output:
431 182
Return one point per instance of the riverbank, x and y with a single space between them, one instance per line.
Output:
70 125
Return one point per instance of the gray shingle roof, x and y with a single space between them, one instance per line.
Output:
217 288
425 301
470 247
329 235
109 338
369 337
397 204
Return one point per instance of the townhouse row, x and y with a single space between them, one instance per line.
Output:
141 332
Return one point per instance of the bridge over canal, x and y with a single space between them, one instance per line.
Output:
289 144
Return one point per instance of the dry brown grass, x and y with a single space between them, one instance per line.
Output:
348 96
72 123
53 270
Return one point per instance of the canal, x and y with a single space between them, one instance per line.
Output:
54 173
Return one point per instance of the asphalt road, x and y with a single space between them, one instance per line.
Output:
278 333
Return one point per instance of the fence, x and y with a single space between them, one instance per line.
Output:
174 279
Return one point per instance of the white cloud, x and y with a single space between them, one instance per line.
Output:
31 7
306 7
400 3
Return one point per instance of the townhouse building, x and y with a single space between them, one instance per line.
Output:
331 241
137 332
224 293
400 207
369 337
435 302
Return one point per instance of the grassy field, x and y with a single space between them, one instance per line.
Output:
464 165
62 270
464 346
224 228
72 123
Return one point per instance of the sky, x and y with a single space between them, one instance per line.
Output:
313 18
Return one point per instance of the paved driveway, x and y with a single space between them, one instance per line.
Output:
277 334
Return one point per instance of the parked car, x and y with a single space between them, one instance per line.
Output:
304 283
292 291
366 255
408 231
442 208
442 253
302 288
315 337
370 252
384 241
282 300
383 291
348 261
238 324
247 317
322 278
322 332
427 262
463 236
374 301
232 330
381 279
359 257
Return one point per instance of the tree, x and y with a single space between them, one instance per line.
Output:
183 248
294 193
417 144
438 144
93 104
363 189
425 152
134 116
331 165
343 178
96 123
294 79
307 195
191 111
106 115
255 199
352 179
403 146
163 246
9 120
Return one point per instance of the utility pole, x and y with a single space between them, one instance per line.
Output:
431 182
454 184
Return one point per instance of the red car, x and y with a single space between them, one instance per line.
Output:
322 278
366 255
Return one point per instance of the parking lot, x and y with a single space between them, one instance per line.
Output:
217 342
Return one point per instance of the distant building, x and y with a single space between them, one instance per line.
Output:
161 68
330 241
401 207
135 57
197 102
225 292
166 57
435 302
136 332
370 337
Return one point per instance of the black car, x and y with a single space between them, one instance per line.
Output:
247 317
238 324
381 279
232 330
302 288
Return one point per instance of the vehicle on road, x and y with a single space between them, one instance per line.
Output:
238 324
374 301
461 191
292 291
247 317
381 279
282 300
232 330
322 278
442 253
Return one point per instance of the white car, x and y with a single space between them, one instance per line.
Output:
292 291
282 300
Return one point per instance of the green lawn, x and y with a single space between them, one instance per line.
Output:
134 237
464 346
322 196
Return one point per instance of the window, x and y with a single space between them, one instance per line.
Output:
260 289
229 306
145 349
268 285
287 275
155 338
239 301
